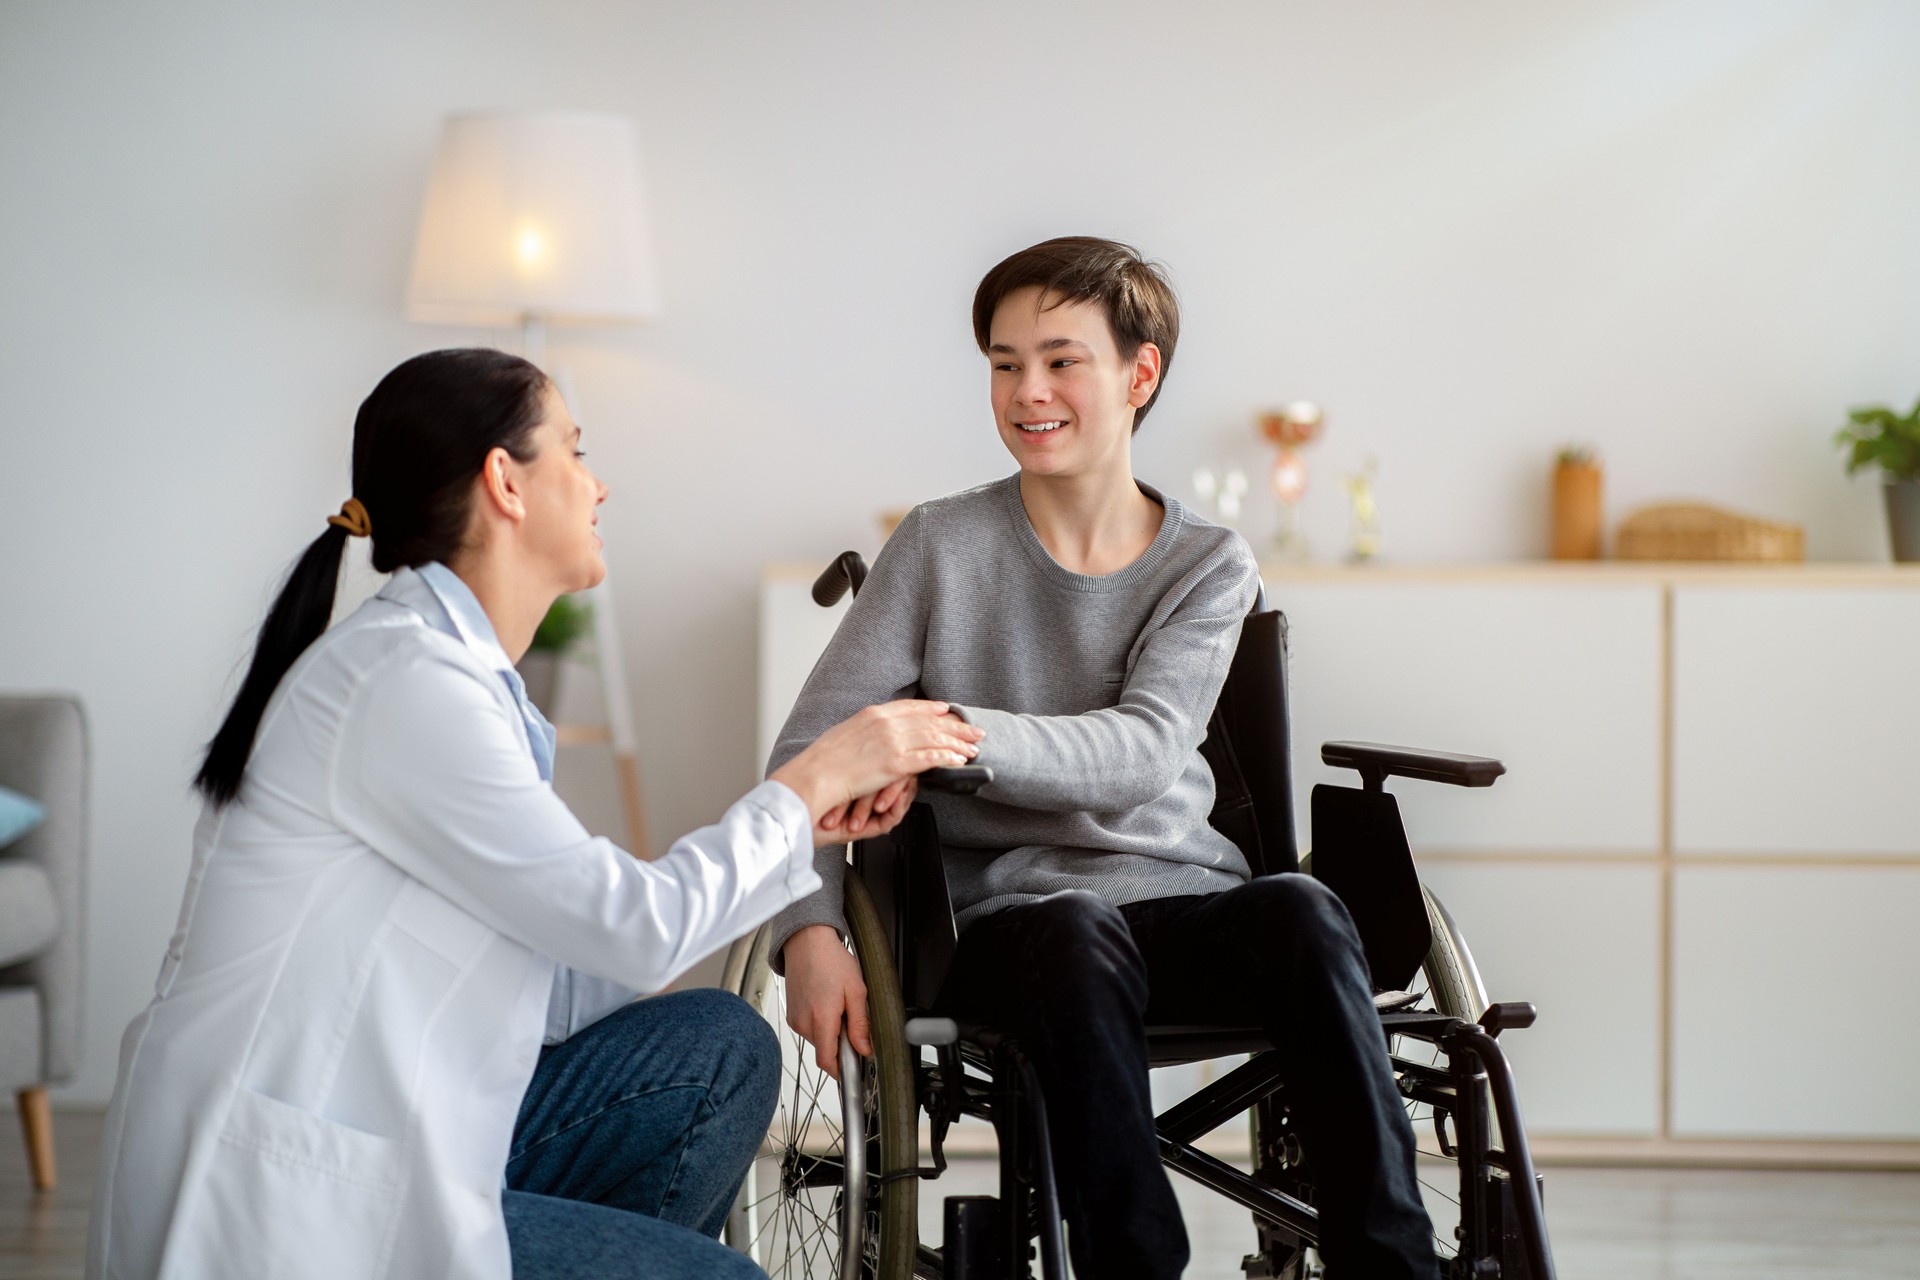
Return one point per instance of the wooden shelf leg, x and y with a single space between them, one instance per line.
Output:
36 1121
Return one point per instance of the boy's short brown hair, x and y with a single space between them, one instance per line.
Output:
1135 294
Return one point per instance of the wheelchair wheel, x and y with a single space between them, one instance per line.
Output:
1451 982
791 1216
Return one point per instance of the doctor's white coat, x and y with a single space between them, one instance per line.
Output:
326 1082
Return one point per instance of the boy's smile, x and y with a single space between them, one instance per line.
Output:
1063 397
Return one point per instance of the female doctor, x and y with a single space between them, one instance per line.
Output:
393 1034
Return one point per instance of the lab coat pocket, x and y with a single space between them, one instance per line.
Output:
297 1194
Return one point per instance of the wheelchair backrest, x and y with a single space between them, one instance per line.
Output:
1249 746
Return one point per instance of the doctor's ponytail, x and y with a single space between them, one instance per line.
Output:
418 443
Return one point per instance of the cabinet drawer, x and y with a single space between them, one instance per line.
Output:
1581 942
1561 682
1796 720
1794 1007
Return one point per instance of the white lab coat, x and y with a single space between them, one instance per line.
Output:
326 1082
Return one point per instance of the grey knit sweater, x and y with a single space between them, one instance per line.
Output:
1094 693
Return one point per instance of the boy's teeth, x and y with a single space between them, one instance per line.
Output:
1041 426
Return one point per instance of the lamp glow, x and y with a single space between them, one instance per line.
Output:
529 248
533 217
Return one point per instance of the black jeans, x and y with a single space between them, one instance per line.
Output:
1077 980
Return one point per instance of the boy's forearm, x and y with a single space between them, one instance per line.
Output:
1099 761
1129 754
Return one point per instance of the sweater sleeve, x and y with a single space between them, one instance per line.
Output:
873 657
1123 756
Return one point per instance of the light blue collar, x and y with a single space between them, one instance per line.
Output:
450 607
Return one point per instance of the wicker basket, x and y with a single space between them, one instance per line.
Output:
1695 531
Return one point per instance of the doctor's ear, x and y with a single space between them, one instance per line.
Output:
500 485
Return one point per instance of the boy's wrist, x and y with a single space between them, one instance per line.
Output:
809 941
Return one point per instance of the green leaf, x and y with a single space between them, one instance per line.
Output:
1876 435
563 626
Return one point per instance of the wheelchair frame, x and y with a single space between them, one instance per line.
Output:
894 905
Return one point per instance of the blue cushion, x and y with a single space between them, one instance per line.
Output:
18 815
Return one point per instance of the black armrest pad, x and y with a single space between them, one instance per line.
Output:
1375 761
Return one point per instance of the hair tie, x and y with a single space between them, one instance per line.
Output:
353 518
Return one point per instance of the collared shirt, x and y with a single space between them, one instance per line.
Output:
467 621
578 1000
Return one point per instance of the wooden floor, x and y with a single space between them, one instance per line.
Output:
43 1235
1607 1224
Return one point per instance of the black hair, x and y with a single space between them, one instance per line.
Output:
419 441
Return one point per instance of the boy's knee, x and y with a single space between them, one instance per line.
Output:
1300 908
1067 924
1079 943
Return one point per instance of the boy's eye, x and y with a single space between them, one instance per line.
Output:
1003 368
1064 361
579 453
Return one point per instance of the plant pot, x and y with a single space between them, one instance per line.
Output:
1903 519
540 671
1576 512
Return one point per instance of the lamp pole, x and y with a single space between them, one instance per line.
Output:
529 218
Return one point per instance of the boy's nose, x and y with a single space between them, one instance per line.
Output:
1033 389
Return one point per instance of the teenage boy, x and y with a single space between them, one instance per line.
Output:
1085 622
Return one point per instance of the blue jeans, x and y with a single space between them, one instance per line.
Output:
633 1139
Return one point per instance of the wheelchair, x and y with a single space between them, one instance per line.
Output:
834 1193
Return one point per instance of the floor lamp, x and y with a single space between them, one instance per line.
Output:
535 219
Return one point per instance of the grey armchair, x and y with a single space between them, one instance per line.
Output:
43 754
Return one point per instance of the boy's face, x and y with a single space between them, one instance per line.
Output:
1063 395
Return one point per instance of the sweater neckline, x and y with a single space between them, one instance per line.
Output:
1143 566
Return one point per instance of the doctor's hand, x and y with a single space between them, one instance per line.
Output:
859 767
824 986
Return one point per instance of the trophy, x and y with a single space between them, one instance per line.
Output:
1290 428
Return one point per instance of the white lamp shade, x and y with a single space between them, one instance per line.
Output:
533 215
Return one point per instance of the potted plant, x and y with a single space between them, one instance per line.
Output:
559 631
1877 436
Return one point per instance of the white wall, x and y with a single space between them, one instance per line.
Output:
1689 233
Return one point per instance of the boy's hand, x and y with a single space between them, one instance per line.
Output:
824 987
869 816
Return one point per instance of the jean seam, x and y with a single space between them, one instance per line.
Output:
613 1105
706 1112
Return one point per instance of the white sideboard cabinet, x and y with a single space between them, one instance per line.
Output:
1704 862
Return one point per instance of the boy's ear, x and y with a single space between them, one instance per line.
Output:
1146 374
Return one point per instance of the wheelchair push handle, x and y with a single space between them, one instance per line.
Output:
847 572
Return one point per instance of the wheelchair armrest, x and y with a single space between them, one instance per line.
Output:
960 780
1377 762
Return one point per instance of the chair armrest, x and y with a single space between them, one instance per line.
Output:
1377 762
